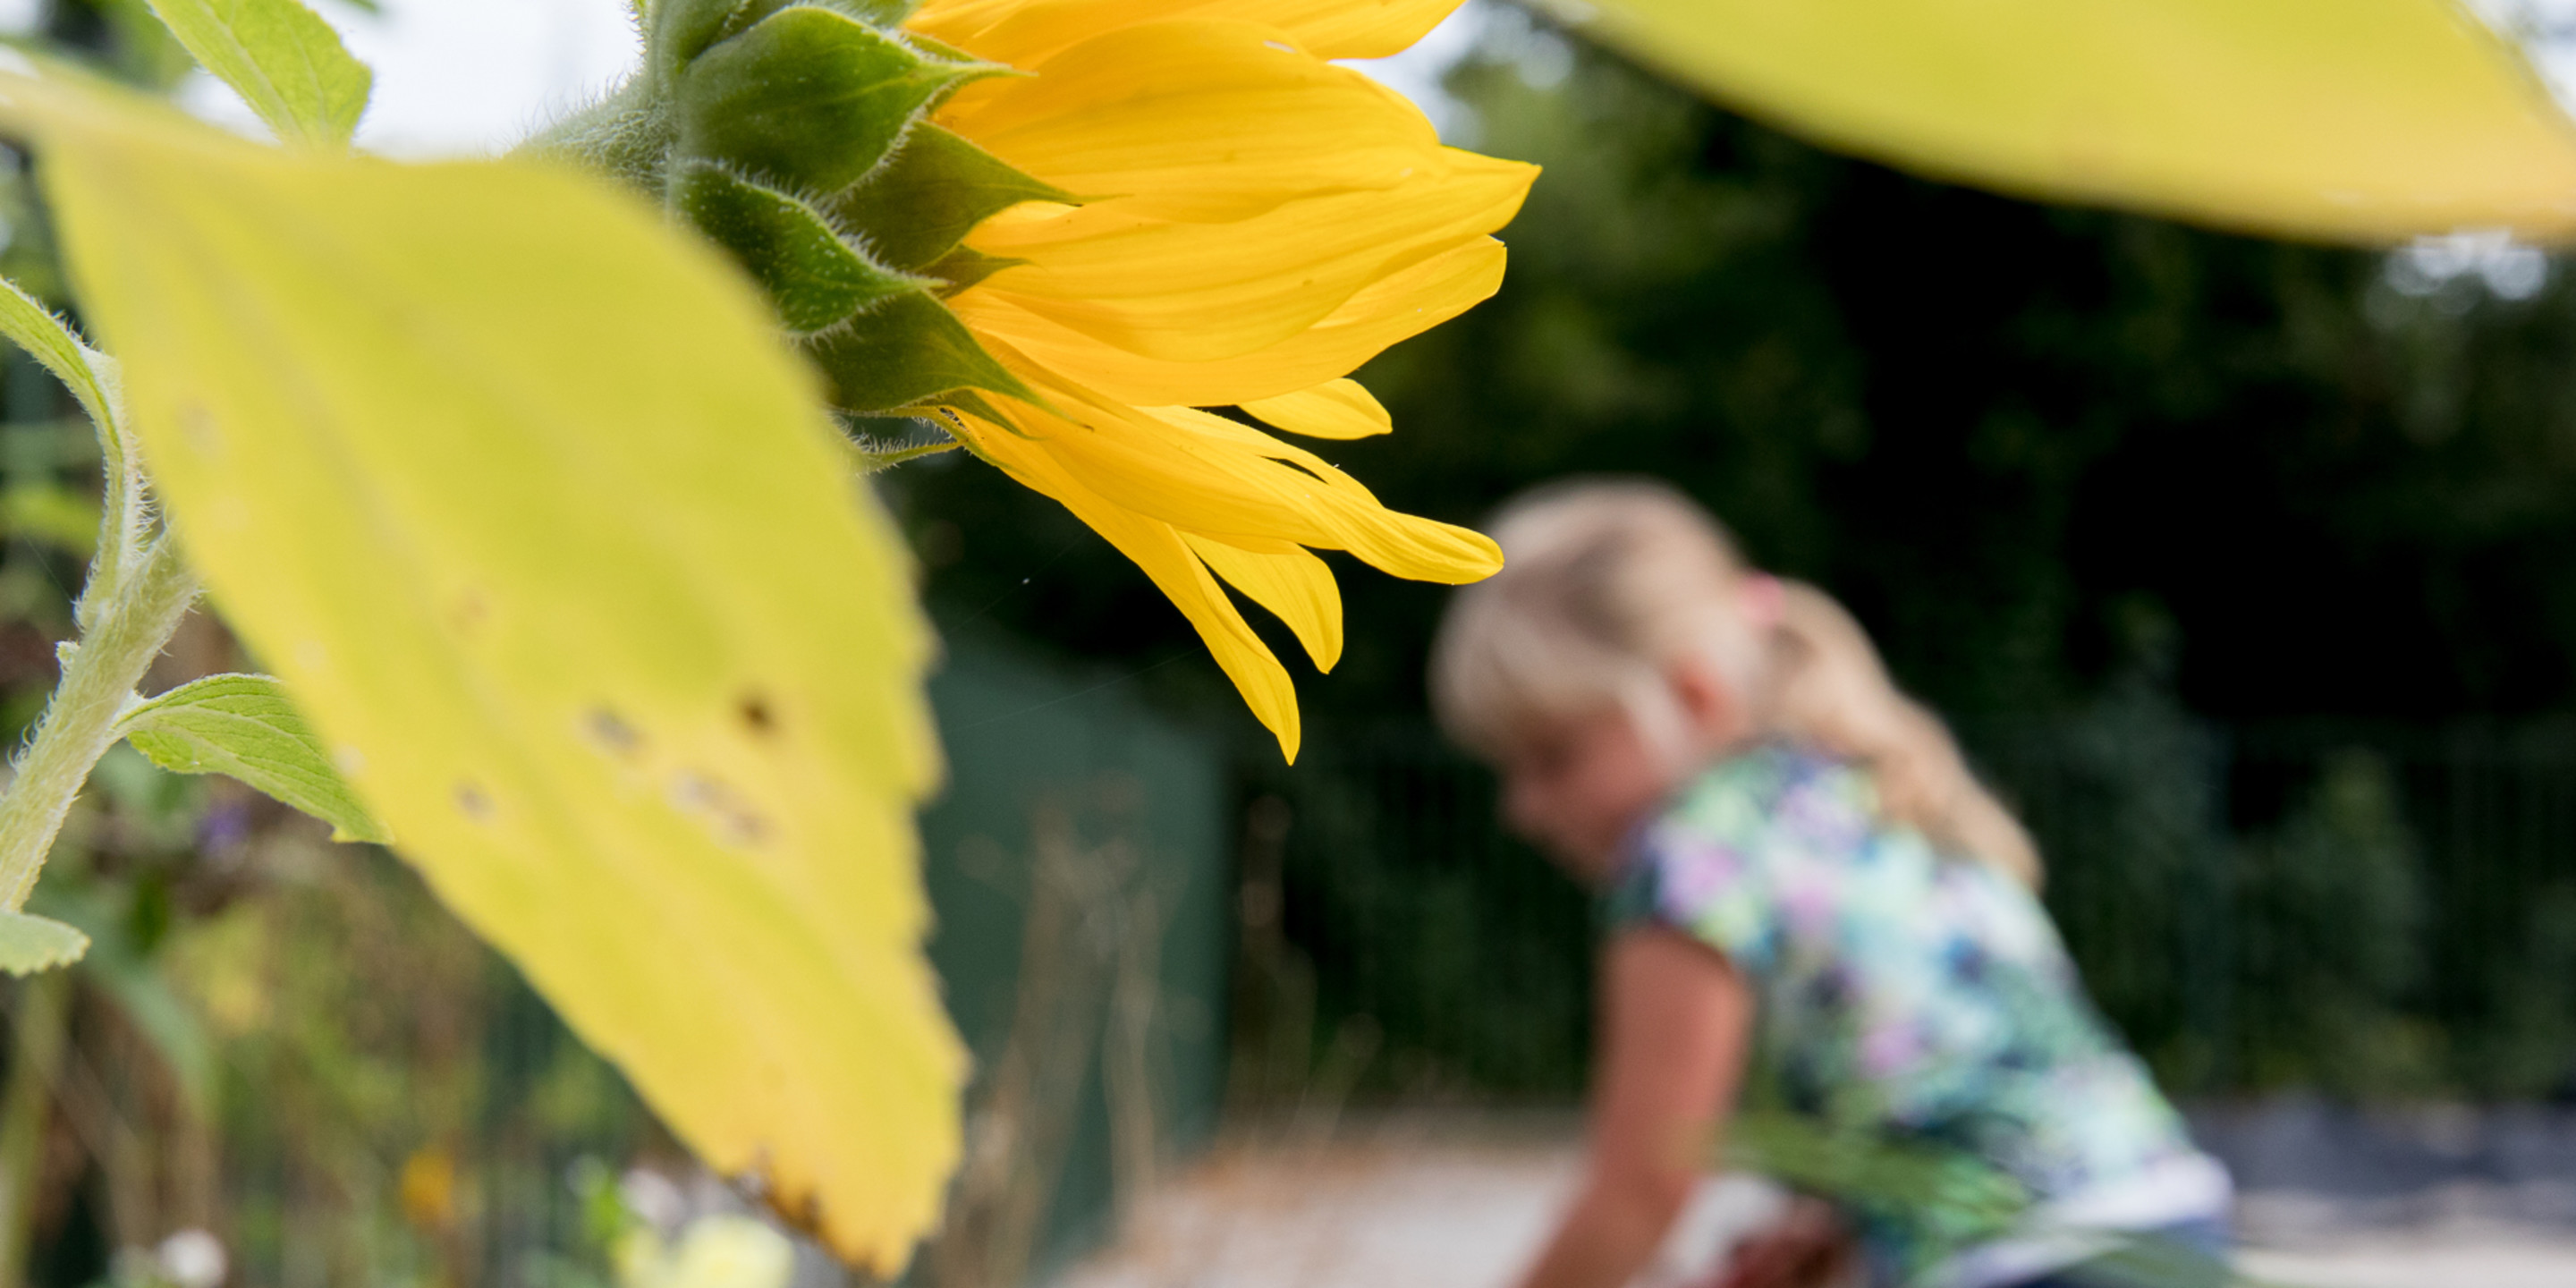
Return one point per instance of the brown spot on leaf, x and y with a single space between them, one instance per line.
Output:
611 732
473 802
727 814
756 715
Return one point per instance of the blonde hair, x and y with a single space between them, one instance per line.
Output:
1606 584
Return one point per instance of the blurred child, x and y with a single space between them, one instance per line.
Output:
1793 849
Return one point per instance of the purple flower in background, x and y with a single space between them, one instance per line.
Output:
223 827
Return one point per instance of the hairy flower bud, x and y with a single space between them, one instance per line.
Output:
793 136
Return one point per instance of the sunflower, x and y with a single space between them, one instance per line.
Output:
1104 244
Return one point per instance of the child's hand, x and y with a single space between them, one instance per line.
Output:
1806 1248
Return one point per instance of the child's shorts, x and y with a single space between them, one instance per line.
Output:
2200 1261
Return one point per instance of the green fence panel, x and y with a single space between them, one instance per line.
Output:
1080 869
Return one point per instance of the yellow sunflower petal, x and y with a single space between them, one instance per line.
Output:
1217 478
1020 32
1199 121
1342 29
1396 308
1339 409
1294 585
1169 474
1391 541
1175 569
1197 292
1257 225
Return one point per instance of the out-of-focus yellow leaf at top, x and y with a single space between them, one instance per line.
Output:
549 538
2352 120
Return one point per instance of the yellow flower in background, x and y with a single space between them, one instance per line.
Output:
719 1251
1256 224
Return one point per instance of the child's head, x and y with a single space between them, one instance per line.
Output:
1625 645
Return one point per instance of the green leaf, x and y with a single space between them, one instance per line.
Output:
812 276
243 726
930 194
542 526
905 352
809 99
281 58
29 943
2364 120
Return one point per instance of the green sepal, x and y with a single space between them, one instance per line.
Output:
931 193
680 30
677 31
944 413
884 14
966 266
934 46
907 351
876 456
29 943
809 99
813 277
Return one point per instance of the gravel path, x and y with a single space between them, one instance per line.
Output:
1429 1201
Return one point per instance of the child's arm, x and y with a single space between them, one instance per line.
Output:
1676 1021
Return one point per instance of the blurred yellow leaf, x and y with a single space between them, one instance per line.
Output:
2358 120
551 542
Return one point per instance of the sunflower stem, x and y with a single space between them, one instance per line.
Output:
127 630
626 135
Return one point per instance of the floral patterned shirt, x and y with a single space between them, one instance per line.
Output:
1923 998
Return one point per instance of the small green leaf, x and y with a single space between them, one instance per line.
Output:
809 99
243 727
929 195
283 60
905 352
89 374
813 277
29 943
